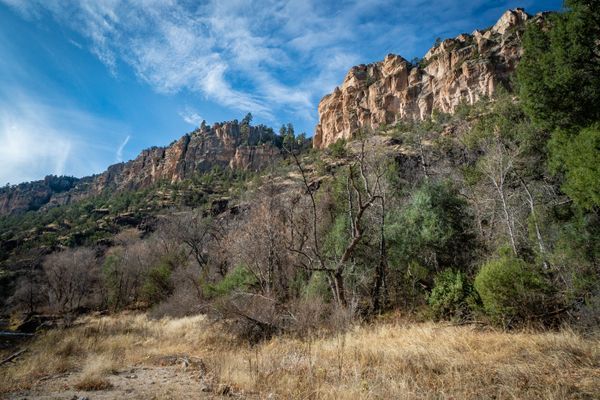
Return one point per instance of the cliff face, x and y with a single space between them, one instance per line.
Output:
225 145
457 70
33 195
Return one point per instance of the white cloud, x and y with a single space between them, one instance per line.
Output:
37 139
253 56
121 148
191 116
239 54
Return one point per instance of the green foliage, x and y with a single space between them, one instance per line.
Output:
506 126
338 149
440 117
471 174
371 79
511 290
402 127
416 62
576 252
579 157
318 287
450 295
247 119
505 120
60 184
559 74
337 237
157 284
434 229
240 278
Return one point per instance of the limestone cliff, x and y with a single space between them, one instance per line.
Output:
225 145
457 70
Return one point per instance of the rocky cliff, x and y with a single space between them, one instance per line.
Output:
224 145
457 70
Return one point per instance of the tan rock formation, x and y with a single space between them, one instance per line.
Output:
224 145
462 69
220 146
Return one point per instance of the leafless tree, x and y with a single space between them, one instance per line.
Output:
29 292
71 276
196 232
259 242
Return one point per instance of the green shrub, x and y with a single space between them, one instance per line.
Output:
317 287
238 279
578 156
434 229
511 290
158 285
338 149
450 295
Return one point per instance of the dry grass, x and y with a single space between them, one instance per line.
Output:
93 383
412 361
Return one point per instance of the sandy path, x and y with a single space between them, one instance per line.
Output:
169 382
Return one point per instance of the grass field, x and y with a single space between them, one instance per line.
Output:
132 355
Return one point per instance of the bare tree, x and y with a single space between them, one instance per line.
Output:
195 232
498 166
363 191
29 292
71 276
259 242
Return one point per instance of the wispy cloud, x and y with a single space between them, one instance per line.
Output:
37 139
75 43
121 147
249 56
191 116
259 56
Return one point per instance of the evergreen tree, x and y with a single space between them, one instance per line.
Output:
559 74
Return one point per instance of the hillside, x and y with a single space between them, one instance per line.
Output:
441 239
227 145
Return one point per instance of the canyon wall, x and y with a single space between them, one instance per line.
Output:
224 145
462 69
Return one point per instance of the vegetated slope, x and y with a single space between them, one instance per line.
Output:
203 169
459 216
228 145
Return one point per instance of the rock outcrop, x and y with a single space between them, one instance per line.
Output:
224 145
33 195
462 69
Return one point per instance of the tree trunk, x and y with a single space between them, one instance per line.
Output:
337 287
507 218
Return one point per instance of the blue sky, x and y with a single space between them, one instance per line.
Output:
85 84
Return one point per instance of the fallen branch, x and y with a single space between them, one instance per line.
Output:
13 356
9 334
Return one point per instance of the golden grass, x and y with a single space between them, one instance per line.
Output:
400 361
92 383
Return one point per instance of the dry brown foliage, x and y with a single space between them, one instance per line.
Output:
382 361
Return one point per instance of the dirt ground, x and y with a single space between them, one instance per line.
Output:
160 382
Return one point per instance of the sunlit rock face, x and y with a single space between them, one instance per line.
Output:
462 69
224 145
